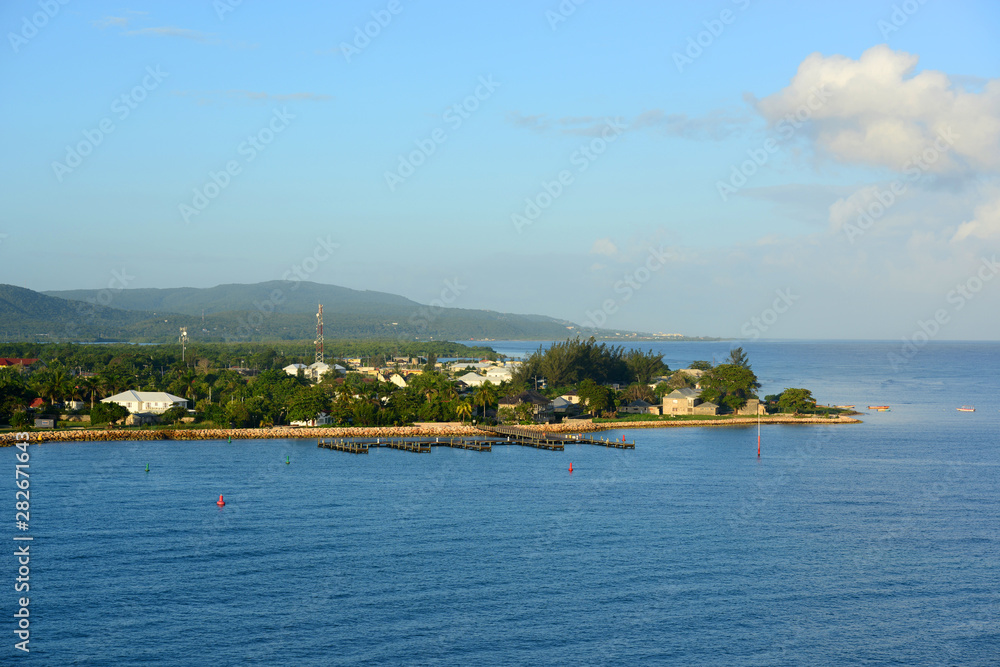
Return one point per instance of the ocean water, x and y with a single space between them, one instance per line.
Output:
874 543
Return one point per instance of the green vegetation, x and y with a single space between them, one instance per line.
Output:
244 385
799 401
575 360
105 413
729 386
275 311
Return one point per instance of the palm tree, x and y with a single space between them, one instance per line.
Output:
485 396
54 385
464 410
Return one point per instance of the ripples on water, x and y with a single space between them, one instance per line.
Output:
843 545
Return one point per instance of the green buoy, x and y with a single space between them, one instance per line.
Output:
287 462
230 440
147 467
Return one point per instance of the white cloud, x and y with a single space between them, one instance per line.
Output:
985 223
604 247
878 113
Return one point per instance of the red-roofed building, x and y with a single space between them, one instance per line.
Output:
13 361
37 403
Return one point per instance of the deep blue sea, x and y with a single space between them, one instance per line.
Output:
868 544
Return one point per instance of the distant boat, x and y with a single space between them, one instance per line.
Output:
844 407
966 408
880 408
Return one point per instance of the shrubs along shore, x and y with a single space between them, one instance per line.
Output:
418 431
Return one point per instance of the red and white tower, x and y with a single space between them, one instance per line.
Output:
319 334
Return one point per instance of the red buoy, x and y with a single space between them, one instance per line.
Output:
571 467
220 502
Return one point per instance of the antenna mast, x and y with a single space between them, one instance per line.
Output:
319 335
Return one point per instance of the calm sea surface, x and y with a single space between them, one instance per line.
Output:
868 544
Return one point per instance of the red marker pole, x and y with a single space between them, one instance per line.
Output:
758 435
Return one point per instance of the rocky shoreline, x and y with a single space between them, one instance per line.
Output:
421 430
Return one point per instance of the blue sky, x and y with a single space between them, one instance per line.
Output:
649 229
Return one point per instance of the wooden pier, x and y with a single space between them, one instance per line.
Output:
495 435
344 446
526 436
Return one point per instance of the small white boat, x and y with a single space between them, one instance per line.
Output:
966 408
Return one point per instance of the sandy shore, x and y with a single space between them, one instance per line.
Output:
422 430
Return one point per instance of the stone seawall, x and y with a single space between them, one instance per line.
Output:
423 430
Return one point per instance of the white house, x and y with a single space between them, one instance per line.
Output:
639 407
474 365
317 370
321 419
498 374
293 369
476 380
156 402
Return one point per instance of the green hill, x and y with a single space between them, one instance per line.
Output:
274 310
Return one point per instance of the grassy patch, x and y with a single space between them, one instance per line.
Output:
658 418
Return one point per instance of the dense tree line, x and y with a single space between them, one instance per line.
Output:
271 396
574 360
261 356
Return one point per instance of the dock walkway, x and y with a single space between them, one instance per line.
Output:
494 435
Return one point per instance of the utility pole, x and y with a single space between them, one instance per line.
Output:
184 338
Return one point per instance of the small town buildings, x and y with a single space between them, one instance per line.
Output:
640 407
476 380
498 374
572 397
753 407
563 407
293 369
17 361
156 402
540 406
685 401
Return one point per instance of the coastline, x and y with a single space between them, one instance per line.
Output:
416 431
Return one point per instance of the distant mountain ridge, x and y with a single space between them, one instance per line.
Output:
296 297
276 310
